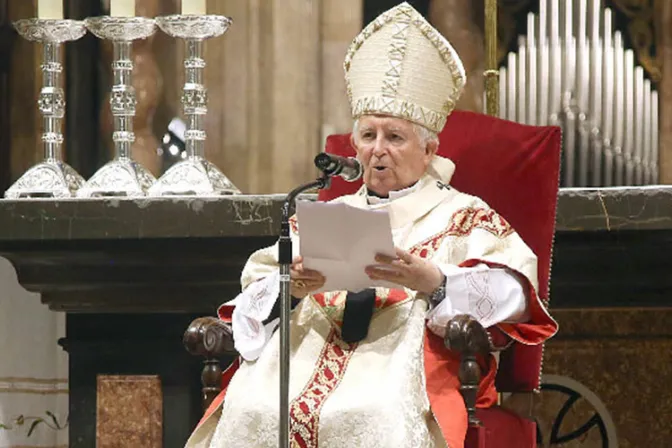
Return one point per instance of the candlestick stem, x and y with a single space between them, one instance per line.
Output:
52 102
123 100
194 98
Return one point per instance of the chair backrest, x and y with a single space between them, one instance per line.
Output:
514 168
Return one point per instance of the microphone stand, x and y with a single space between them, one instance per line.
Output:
285 261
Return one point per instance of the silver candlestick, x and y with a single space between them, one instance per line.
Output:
122 176
52 178
194 175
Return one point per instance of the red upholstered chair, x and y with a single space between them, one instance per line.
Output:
515 169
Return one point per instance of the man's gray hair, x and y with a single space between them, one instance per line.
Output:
425 134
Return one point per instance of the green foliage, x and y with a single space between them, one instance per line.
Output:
50 421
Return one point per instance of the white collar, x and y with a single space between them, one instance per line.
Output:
372 200
440 168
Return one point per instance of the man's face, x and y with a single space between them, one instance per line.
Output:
391 152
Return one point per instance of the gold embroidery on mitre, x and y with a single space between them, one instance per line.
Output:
393 88
395 69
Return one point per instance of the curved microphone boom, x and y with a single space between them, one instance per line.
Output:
348 168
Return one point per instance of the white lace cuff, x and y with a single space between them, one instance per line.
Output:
253 306
491 296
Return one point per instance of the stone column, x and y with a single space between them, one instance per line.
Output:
295 86
263 75
341 22
229 78
456 20
664 48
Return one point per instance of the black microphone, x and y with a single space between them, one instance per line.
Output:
348 168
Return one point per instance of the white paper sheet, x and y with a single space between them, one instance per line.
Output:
339 241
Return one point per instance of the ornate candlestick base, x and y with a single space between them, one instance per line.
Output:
194 175
52 178
49 179
122 176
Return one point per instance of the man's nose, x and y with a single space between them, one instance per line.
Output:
379 146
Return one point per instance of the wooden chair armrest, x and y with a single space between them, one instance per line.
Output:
464 335
211 338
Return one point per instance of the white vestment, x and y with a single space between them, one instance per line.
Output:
371 393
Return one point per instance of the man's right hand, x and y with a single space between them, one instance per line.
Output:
304 281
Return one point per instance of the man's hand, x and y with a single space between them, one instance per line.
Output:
407 270
304 281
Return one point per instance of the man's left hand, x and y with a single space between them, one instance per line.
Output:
407 270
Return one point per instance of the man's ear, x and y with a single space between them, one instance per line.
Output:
432 148
352 142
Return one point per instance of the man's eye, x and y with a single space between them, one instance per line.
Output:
395 137
367 135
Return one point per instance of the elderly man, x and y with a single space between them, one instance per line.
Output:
367 370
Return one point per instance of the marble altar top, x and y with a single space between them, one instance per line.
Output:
579 209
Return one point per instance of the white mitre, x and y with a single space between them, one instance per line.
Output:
400 66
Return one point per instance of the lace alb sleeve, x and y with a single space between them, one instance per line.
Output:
253 307
490 295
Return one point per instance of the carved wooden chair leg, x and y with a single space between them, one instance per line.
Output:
467 337
470 377
211 379
211 338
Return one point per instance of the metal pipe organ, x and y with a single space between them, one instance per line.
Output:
572 70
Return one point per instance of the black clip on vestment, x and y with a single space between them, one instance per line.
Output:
357 315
